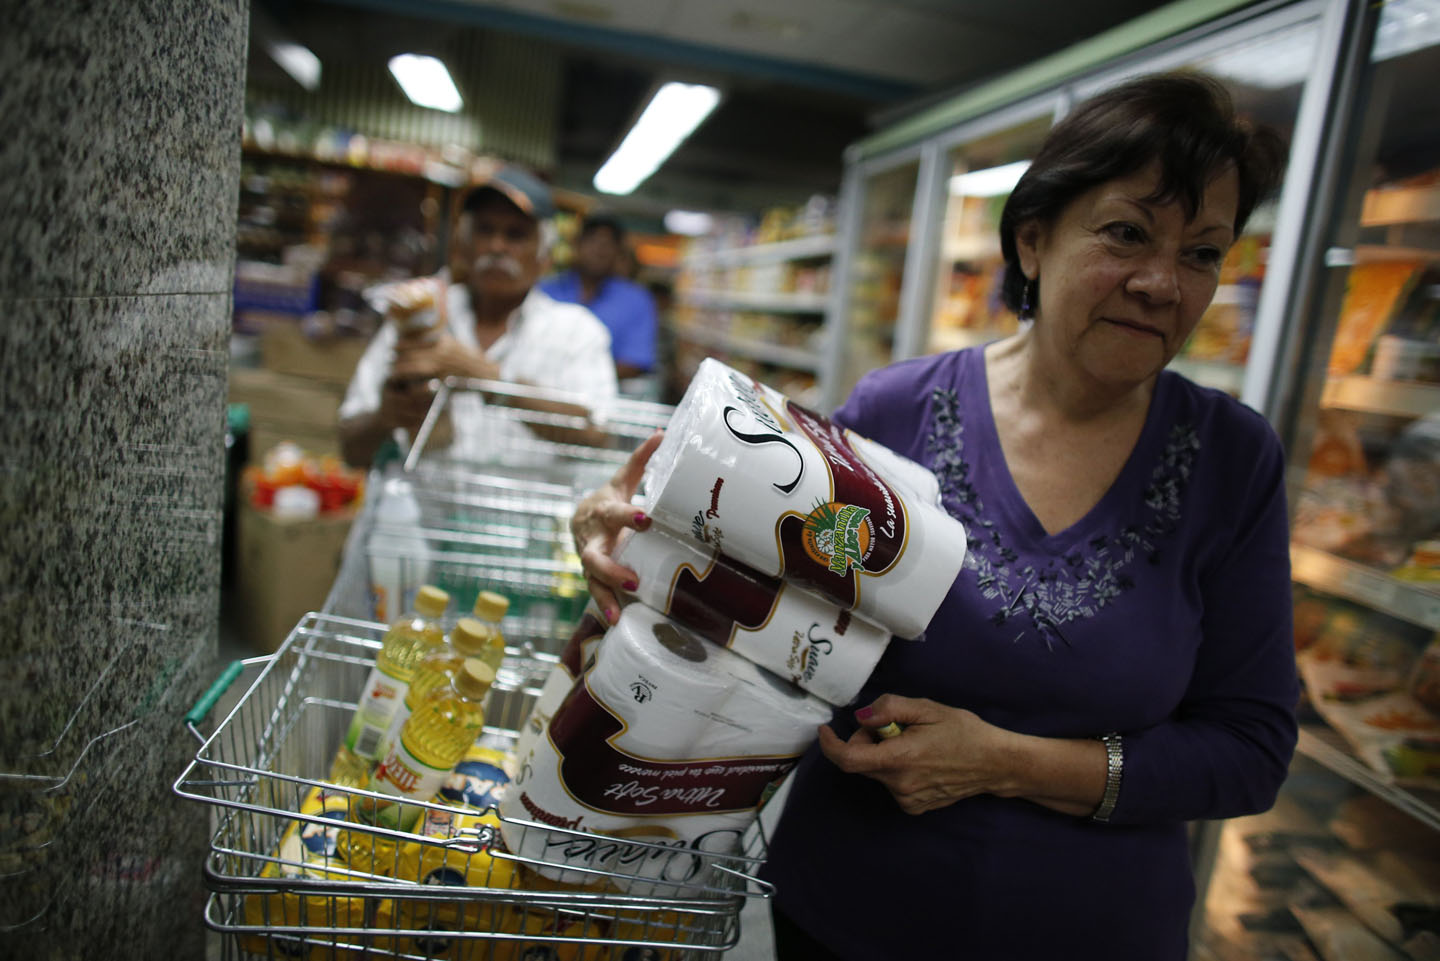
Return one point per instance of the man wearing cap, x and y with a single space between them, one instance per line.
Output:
625 308
492 323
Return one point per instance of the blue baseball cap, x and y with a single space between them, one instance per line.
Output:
515 184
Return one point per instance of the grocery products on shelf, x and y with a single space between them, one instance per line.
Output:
757 297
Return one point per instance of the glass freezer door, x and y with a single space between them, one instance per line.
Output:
1365 438
967 308
877 269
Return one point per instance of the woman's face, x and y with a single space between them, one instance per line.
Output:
1124 280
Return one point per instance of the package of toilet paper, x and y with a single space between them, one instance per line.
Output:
745 471
575 658
793 633
666 747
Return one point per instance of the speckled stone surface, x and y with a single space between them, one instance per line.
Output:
119 168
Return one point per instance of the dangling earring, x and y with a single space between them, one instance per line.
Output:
1027 299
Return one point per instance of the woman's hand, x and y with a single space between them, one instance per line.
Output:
597 523
943 755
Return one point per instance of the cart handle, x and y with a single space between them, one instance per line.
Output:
207 700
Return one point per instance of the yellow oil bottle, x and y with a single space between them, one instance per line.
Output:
409 639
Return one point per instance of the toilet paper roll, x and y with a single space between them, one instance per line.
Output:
667 739
788 631
574 659
745 471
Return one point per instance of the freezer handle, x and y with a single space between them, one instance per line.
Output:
207 700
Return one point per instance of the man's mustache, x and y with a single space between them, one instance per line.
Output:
486 262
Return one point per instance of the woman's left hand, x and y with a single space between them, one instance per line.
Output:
943 755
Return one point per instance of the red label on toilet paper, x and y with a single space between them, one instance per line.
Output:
599 775
726 596
860 530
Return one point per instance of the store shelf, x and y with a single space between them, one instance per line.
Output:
1401 206
1356 582
767 353
1377 253
1325 747
744 300
1219 374
1398 398
801 248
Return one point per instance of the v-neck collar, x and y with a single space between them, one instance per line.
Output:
1001 484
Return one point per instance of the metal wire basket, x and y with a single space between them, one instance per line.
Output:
451 892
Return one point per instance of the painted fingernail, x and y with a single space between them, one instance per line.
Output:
629 585
610 615
640 519
864 713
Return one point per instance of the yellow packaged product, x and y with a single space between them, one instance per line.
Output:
306 850
479 780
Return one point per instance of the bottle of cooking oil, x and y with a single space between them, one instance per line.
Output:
490 609
409 639
435 738
471 637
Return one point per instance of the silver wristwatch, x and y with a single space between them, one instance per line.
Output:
1114 769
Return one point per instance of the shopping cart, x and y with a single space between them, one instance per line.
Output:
493 519
455 892
495 512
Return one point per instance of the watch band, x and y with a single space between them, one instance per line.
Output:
1114 770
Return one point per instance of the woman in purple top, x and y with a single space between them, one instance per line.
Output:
1115 658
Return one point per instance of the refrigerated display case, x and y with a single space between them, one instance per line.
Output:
1350 857
939 189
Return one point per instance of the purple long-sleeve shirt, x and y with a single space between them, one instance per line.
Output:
1163 614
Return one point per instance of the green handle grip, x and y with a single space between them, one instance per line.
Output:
207 700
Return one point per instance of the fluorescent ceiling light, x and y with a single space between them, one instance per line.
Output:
674 111
689 223
298 62
426 82
990 182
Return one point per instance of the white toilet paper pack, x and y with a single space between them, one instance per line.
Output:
574 659
745 471
790 632
667 739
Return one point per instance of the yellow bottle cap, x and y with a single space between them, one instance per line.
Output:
475 679
431 601
470 637
491 606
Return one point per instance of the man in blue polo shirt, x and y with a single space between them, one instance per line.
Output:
622 305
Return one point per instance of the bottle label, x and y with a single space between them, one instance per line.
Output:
397 721
405 775
383 695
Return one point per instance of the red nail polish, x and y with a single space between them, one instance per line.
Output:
864 713
610 615
629 586
641 519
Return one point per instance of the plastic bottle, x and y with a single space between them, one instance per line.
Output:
434 739
490 609
399 554
471 637
409 639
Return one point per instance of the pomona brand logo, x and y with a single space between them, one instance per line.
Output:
838 536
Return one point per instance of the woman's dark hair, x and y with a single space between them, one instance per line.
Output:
1185 121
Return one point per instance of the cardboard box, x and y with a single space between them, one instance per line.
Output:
285 350
285 569
284 398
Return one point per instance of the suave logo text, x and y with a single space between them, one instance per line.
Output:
676 860
805 653
773 433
